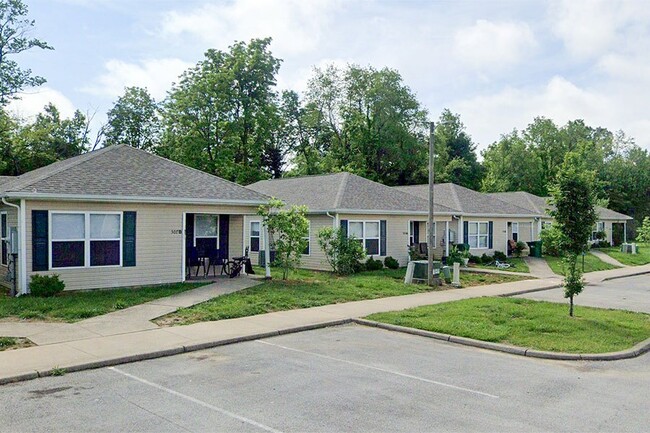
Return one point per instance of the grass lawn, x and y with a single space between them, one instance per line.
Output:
641 258
7 343
517 264
592 263
307 289
532 324
73 306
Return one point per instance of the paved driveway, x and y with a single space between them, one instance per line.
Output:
631 293
348 378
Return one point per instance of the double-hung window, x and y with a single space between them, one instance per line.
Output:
478 234
5 238
254 234
515 231
206 231
367 232
80 239
599 228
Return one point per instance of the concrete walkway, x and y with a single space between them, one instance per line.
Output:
607 258
539 268
99 350
132 319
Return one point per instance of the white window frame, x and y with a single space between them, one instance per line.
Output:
513 225
412 232
308 239
596 229
250 236
478 235
86 239
206 237
363 238
4 262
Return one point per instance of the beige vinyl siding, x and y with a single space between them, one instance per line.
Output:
397 233
159 246
316 258
12 221
235 246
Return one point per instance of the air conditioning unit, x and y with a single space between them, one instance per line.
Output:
628 248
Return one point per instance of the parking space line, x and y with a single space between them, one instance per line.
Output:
383 370
197 401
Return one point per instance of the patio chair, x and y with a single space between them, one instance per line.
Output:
194 258
215 258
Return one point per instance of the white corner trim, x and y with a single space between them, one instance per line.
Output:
22 252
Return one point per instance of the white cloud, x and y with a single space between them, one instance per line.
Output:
157 75
489 45
590 28
487 117
294 25
33 100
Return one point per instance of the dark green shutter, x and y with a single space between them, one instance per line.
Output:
490 233
465 232
344 228
382 237
416 232
224 224
4 225
40 244
128 239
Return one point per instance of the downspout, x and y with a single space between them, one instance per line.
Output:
333 219
21 281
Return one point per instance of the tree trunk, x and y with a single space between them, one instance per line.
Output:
571 305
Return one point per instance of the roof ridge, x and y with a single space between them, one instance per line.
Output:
455 196
339 193
89 156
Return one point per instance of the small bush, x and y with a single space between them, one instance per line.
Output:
475 259
46 286
342 253
519 248
600 244
498 255
391 263
455 256
486 260
553 241
373 265
643 232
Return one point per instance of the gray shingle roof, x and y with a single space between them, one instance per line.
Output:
540 204
344 192
122 171
467 201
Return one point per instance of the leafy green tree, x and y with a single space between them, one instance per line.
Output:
288 229
643 232
456 159
366 121
222 116
14 30
343 253
134 120
48 139
572 193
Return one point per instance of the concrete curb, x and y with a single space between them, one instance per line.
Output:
167 352
618 277
637 350
523 292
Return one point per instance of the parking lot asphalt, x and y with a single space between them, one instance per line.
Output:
346 378
631 293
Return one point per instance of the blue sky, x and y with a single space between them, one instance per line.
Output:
497 63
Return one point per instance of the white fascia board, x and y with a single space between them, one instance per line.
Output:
386 212
129 199
488 215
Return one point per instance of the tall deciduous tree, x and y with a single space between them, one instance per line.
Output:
134 120
222 115
572 193
14 39
456 153
366 121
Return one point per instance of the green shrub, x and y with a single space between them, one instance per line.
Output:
643 232
373 265
391 263
45 286
519 248
343 254
600 244
455 256
486 260
553 241
475 259
500 256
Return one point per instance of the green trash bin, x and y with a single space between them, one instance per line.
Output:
535 248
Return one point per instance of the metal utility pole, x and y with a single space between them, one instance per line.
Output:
430 238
